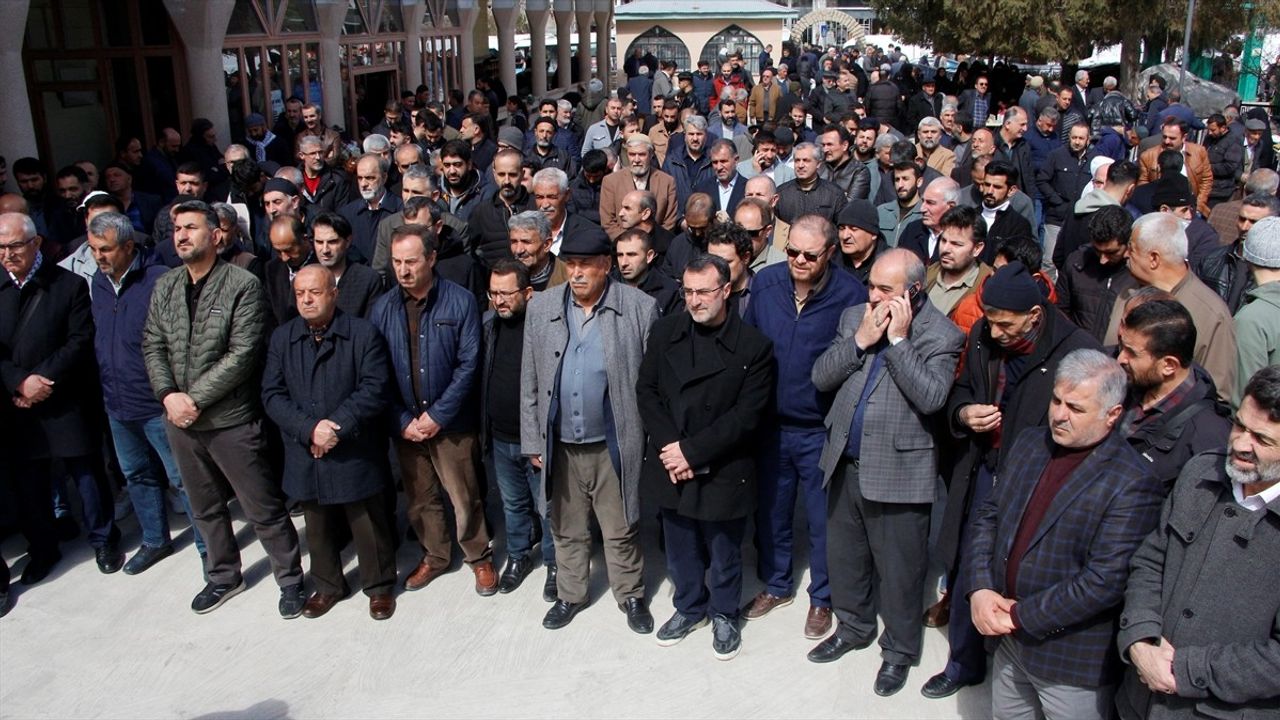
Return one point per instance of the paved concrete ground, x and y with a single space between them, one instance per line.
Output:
86 645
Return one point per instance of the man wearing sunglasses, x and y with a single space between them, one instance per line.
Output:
797 305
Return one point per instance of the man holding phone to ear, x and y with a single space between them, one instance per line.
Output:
892 363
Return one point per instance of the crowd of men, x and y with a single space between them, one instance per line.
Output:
706 298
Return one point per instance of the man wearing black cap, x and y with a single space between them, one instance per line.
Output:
860 240
1005 387
581 427
264 144
927 102
1172 195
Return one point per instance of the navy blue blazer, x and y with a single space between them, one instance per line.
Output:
1072 578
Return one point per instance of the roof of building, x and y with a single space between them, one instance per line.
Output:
654 9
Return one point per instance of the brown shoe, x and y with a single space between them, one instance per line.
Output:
818 624
939 614
486 578
423 575
763 604
382 607
319 604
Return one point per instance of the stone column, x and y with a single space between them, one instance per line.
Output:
583 12
203 26
413 11
330 14
468 14
19 136
537 11
604 10
563 11
504 16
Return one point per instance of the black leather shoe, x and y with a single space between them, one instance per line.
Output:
940 686
109 558
891 678
39 567
146 557
834 648
639 619
561 614
549 591
514 574
677 629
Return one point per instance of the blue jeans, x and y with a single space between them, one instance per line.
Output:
95 498
148 466
519 486
789 466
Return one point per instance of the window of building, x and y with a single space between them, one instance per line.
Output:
271 54
728 41
664 45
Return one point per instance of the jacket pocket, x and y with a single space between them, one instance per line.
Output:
918 442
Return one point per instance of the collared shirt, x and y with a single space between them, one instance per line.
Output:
945 297
1136 416
640 183
932 243
584 383
1255 502
557 236
116 286
813 291
726 191
30 273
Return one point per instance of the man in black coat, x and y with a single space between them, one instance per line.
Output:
291 246
326 388
1004 388
49 377
1172 413
703 389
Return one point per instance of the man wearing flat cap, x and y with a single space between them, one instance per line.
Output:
1258 150
1005 387
580 424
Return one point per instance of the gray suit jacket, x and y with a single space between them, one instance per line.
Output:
899 461
625 315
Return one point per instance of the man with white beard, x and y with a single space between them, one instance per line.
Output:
1198 628
375 203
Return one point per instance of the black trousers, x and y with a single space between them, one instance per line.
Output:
329 526
30 490
879 548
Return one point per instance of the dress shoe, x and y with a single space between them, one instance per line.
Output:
320 603
549 591
423 576
39 567
939 613
486 578
292 598
382 607
514 574
4 603
940 686
834 648
561 614
639 619
764 603
726 638
146 557
891 678
109 558
213 596
677 629
818 623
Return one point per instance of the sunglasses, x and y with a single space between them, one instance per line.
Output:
794 252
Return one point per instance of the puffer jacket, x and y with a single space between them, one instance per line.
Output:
214 356
449 350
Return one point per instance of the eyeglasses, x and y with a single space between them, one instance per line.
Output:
794 252
502 294
18 246
756 231
690 293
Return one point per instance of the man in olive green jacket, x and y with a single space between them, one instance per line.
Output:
202 344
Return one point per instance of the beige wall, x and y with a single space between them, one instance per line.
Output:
695 32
